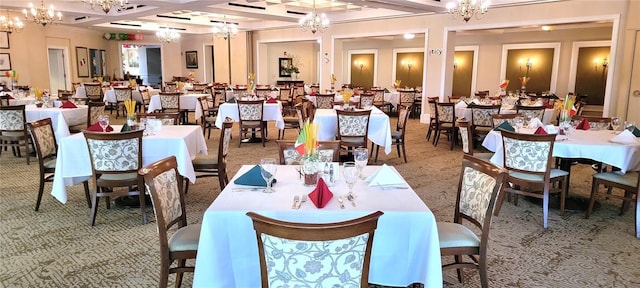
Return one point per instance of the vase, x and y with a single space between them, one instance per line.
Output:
310 169
131 119
294 76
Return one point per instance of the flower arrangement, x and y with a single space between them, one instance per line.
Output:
252 84
333 79
396 83
13 75
38 94
191 76
307 141
524 80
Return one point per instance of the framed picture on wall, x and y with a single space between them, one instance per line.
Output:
191 59
103 62
82 61
95 65
4 40
5 62
283 67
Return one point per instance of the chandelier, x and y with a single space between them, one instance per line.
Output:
7 24
225 30
468 8
168 35
314 22
105 5
42 15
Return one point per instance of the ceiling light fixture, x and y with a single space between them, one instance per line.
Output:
409 36
105 5
9 25
42 15
468 8
225 30
314 22
168 35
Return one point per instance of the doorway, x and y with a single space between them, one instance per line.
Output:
57 70
143 63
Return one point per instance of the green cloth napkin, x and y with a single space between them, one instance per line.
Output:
232 100
505 126
636 132
253 177
125 128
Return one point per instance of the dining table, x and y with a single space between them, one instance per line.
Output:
189 102
270 112
405 247
73 164
379 131
61 118
549 117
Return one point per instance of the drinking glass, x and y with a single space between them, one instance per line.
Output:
268 167
519 123
361 157
615 123
103 120
629 125
350 175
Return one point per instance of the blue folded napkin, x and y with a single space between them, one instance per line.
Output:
505 126
253 177
232 100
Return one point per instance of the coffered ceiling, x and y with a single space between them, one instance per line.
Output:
197 17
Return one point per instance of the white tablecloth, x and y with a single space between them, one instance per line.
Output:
187 101
183 141
549 114
392 97
271 111
379 127
61 118
110 96
405 245
587 144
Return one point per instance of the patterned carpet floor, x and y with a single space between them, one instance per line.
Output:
56 247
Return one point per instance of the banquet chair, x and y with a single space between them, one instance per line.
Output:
214 165
455 98
75 86
285 96
446 122
146 99
530 112
13 130
263 92
433 116
208 118
378 100
170 87
94 110
251 115
4 100
594 121
325 101
353 128
163 183
200 88
466 134
292 122
397 136
480 184
44 141
122 94
497 119
481 120
111 170
628 182
165 118
406 98
93 92
281 244
170 102
328 151
214 102
366 100
528 157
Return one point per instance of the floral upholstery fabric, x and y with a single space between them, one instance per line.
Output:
170 87
445 113
170 101
464 134
11 120
166 185
530 114
378 96
94 112
475 193
526 155
285 94
402 118
366 100
324 102
92 90
291 157
325 155
432 108
225 142
263 93
293 263
114 155
167 121
482 117
122 94
407 97
46 140
251 112
353 125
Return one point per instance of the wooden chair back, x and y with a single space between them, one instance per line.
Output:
325 101
353 127
166 118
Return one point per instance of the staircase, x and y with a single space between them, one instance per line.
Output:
592 110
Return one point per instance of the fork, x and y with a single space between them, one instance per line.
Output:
296 199
304 199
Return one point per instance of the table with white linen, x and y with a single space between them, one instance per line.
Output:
392 97
338 98
73 164
588 144
190 102
61 118
270 112
548 118
405 246
379 127
110 96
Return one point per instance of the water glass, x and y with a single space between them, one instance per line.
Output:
268 168
519 123
629 125
615 123
350 175
361 157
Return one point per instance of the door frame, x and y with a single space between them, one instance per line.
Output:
67 67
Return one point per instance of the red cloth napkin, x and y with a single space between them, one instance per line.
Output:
11 97
540 131
96 128
313 94
272 100
584 125
548 106
321 195
68 104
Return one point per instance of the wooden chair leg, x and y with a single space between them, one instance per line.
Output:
592 200
86 193
94 207
40 192
404 151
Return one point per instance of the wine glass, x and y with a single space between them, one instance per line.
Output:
350 172
629 125
103 120
519 122
268 168
615 123
361 157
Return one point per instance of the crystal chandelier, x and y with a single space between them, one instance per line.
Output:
105 5
468 8
225 30
314 22
168 35
8 24
42 15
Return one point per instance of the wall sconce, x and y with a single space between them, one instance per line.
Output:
359 64
604 64
408 63
528 65
455 64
